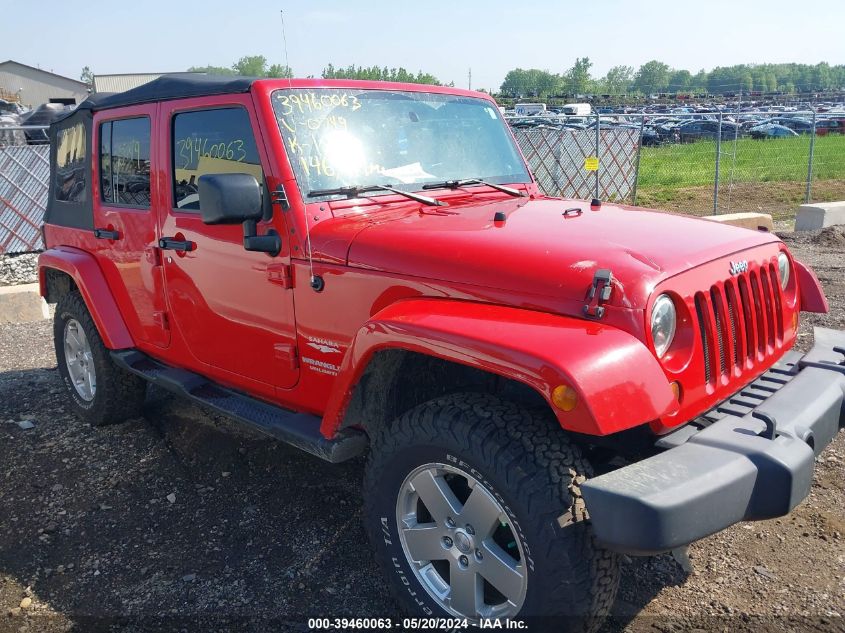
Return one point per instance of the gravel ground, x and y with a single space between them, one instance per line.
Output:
184 521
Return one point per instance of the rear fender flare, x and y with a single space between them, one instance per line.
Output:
88 277
619 382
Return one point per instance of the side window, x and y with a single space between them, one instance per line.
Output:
71 182
216 141
125 162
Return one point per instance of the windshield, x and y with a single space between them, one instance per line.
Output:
342 137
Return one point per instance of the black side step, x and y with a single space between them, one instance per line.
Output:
298 429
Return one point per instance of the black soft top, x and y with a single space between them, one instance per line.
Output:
78 212
172 86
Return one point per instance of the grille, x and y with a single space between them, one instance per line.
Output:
740 321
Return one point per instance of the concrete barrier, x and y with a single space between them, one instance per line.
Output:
818 215
753 221
22 304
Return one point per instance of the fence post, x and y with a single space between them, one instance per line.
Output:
598 167
718 161
637 163
809 189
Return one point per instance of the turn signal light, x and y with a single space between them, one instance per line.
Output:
676 389
565 397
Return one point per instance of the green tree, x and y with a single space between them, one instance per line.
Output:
211 70
378 73
698 82
251 66
279 70
578 77
652 77
618 79
679 81
532 83
86 76
248 66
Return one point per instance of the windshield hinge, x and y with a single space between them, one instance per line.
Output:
280 197
599 294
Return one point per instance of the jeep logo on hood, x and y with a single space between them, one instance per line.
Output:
739 267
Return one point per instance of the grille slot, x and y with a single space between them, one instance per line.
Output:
748 318
759 317
767 304
774 277
733 317
718 311
700 308
744 312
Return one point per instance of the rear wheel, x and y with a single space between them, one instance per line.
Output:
474 509
101 392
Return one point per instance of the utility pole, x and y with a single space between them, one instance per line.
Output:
469 81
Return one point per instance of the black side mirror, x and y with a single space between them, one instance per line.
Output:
229 198
236 199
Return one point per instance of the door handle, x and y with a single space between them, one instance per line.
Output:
172 244
106 234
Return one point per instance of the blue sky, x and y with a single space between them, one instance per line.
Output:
444 38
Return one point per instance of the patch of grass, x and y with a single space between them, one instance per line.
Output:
772 160
770 174
781 199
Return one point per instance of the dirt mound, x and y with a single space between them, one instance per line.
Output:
831 237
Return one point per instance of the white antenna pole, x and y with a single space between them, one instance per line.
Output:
307 224
285 43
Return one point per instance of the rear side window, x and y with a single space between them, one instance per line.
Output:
125 162
217 141
71 183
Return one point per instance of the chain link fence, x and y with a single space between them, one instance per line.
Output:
693 163
560 161
24 176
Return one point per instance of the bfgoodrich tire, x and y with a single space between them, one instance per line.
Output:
100 391
473 507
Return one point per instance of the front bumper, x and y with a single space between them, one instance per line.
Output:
754 459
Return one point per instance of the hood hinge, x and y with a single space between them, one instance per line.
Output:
280 274
599 293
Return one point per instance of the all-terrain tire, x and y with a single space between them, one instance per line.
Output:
529 465
118 395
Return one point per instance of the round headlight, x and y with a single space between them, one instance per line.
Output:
783 269
663 322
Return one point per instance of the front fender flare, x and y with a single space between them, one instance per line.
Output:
811 294
88 277
619 382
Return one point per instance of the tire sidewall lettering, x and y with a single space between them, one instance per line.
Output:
493 490
388 528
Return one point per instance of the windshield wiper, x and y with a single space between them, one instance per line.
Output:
355 191
454 184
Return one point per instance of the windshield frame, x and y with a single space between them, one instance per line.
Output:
417 93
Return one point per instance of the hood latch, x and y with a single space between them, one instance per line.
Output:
599 294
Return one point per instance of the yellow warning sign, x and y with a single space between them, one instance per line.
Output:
591 163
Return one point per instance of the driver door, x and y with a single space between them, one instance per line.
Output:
231 307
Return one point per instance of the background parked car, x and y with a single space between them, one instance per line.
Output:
44 114
771 130
696 130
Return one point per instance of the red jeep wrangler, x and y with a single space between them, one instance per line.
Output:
368 267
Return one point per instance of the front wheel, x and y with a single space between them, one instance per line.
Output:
474 509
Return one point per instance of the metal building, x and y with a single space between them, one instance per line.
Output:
32 86
123 82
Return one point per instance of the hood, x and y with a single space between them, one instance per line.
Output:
546 247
